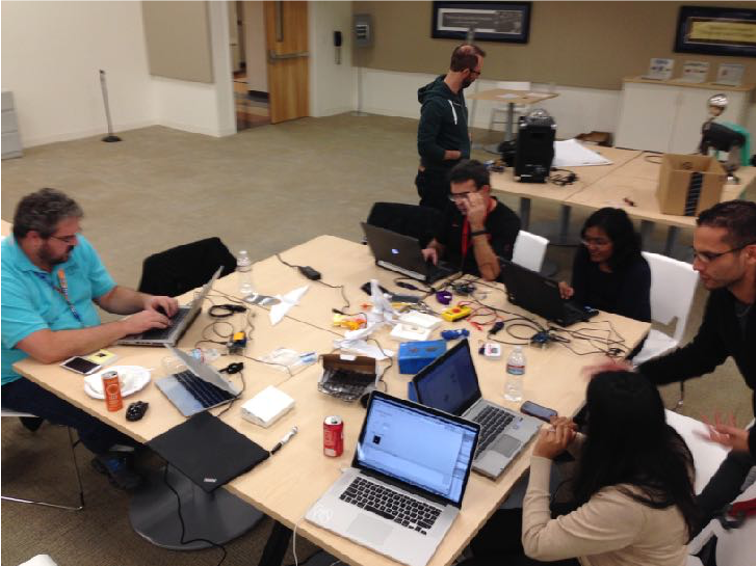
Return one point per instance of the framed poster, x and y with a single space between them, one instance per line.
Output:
492 21
716 31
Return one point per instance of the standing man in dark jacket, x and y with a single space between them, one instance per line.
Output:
442 136
724 244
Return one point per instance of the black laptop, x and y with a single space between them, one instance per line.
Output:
540 295
402 254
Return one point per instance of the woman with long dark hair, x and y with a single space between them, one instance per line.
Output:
634 500
609 272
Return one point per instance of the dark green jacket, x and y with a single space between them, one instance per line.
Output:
443 124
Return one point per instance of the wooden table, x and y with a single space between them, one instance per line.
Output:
287 484
587 176
633 175
512 97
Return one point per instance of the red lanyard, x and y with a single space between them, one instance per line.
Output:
466 229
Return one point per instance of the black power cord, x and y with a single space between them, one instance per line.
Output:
314 275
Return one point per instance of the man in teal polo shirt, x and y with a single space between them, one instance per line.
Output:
51 278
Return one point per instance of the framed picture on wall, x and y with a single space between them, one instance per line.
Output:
716 31
492 21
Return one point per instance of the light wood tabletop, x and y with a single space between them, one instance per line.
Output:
637 181
287 484
512 96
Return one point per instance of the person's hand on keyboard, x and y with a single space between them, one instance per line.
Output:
161 304
144 320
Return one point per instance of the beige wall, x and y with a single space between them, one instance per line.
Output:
586 44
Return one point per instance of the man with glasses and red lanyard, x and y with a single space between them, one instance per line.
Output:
442 135
476 229
51 278
724 248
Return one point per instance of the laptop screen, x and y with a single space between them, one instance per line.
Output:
449 383
418 446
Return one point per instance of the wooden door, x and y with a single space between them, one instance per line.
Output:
288 60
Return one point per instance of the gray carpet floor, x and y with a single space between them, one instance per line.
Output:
263 190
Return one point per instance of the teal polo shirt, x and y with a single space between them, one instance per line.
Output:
30 304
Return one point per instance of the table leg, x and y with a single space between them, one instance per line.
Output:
275 548
646 229
510 122
219 516
669 246
525 212
564 223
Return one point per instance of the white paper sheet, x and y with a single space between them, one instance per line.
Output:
277 312
571 153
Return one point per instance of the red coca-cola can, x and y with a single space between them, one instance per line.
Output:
111 388
333 436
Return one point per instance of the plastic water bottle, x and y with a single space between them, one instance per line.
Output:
515 373
244 273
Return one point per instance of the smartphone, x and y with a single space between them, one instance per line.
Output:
538 411
80 365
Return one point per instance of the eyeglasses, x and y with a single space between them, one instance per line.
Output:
708 257
70 240
596 242
475 72
454 197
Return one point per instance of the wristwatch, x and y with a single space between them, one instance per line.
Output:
478 233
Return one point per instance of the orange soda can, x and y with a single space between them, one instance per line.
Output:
111 387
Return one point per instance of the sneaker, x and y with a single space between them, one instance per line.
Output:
117 467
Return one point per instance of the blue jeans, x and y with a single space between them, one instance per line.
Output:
27 396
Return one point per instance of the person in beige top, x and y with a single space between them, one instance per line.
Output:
634 501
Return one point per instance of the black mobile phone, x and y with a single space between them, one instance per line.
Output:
77 364
538 411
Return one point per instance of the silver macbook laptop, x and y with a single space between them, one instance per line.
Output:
406 483
450 384
402 254
198 388
180 322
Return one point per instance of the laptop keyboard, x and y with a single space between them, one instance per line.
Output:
391 505
345 384
403 271
206 393
164 333
492 421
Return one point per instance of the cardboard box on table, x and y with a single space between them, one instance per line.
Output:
689 184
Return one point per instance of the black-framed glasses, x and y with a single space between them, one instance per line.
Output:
708 257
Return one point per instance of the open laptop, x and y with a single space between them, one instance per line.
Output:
198 388
450 384
540 295
180 322
406 483
402 254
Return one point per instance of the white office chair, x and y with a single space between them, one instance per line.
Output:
529 250
503 110
11 413
673 285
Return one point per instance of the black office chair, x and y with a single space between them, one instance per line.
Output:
419 222
183 268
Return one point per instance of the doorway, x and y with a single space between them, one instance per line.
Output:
250 81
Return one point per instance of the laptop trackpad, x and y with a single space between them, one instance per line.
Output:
369 530
506 445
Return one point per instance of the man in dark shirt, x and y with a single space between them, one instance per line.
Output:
476 229
724 245
442 136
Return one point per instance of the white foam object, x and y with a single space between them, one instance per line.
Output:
267 407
